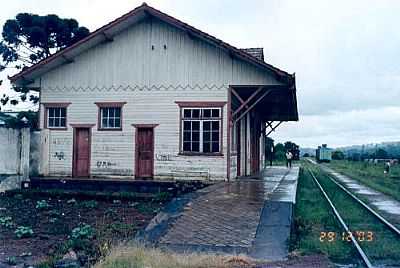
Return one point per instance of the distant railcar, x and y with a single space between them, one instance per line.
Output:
323 153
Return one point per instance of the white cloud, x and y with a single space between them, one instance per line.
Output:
345 54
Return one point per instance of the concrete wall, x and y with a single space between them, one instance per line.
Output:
9 152
20 152
14 157
35 153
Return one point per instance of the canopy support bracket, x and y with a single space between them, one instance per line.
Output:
254 104
272 127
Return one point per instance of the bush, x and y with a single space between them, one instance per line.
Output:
83 231
162 197
280 156
42 204
337 155
12 261
23 231
90 204
6 222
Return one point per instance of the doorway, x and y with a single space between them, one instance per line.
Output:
144 152
81 152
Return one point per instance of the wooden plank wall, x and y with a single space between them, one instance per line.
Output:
150 66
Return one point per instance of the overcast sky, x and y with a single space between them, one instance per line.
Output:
345 54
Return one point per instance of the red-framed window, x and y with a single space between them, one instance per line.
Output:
201 128
110 115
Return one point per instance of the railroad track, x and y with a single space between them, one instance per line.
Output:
344 225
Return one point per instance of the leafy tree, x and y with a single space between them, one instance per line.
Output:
279 151
30 117
381 154
306 155
337 155
28 39
269 144
293 148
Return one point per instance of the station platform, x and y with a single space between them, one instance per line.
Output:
247 216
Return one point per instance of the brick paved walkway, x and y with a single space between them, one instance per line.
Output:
225 217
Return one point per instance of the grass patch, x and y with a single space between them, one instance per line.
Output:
313 216
371 175
384 245
134 256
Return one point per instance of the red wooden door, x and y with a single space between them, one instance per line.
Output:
81 163
144 152
255 147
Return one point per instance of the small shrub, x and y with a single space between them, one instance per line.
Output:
133 204
122 228
6 222
25 254
145 208
42 204
12 261
83 231
111 212
127 195
162 197
71 201
19 196
90 204
23 231
54 213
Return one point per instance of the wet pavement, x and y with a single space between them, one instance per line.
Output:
388 206
244 216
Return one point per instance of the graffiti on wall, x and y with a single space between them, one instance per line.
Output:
164 157
59 155
105 164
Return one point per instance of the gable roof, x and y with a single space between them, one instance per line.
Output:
106 33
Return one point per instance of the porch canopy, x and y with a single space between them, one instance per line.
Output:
271 104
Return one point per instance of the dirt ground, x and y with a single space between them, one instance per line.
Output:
52 221
312 261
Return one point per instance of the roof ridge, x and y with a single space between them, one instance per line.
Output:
166 18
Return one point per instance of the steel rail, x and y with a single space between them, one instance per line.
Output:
344 225
376 214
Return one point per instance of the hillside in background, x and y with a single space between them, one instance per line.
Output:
365 150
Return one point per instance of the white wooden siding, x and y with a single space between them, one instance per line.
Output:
130 60
113 151
136 68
